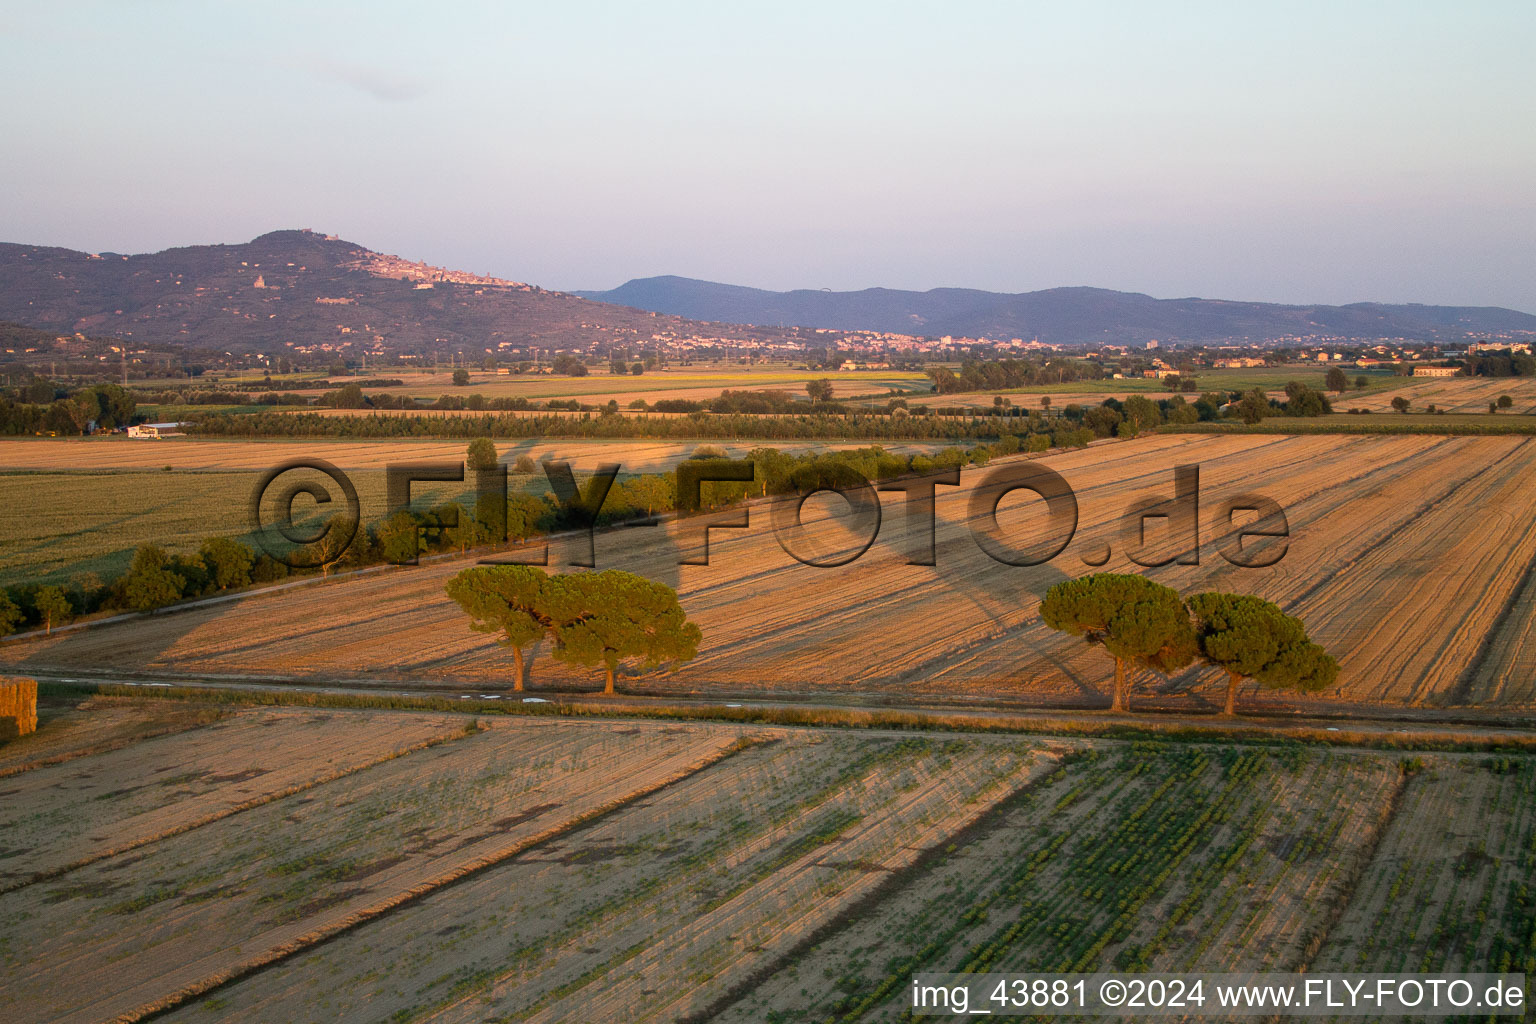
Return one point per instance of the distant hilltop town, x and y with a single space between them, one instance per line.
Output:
424 274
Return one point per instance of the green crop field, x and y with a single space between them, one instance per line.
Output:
154 413
61 527
1270 378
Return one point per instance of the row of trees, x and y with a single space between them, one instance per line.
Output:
765 402
595 620
101 406
1511 364
489 424
154 578
1300 400
1142 624
976 375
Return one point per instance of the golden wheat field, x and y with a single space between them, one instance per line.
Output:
1408 558
302 864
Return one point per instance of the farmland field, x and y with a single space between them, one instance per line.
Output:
1270 378
1380 565
687 383
74 507
63 527
442 867
1452 394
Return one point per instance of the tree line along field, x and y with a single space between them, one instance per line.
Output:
1384 566
73 507
301 864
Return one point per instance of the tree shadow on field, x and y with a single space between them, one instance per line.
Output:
983 593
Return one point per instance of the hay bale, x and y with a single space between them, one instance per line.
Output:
18 704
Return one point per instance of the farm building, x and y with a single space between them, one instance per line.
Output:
155 430
1436 371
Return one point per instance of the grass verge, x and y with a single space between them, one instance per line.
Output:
847 718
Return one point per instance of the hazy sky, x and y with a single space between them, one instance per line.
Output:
1328 152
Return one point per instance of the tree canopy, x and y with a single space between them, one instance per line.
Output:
10 615
1301 400
513 600
481 453
597 619
53 606
228 561
1254 406
1250 638
1140 623
607 618
150 582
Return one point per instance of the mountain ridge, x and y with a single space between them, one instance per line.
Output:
1078 313
299 288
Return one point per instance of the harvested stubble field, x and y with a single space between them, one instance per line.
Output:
1450 887
1382 567
1453 394
94 726
548 869
73 815
118 935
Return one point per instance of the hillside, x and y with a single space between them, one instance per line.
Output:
1059 315
309 289
316 291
